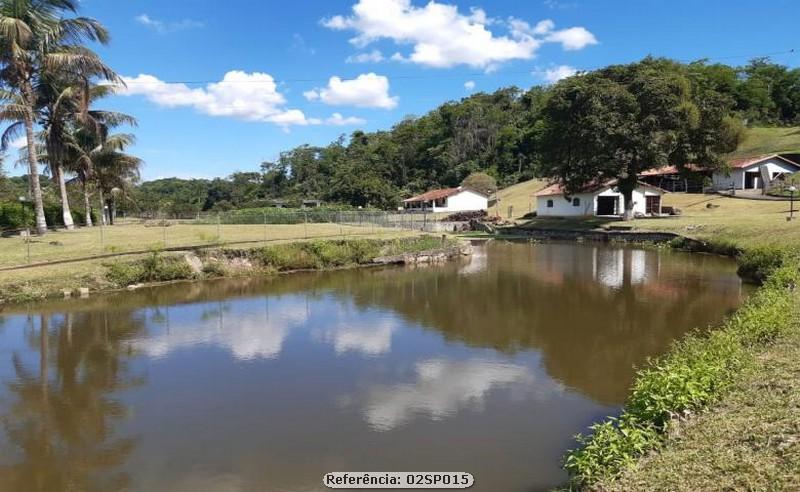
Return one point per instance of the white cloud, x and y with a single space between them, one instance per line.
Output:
574 38
336 119
365 91
374 56
245 96
469 85
554 74
165 27
443 37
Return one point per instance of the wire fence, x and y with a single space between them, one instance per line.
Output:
135 235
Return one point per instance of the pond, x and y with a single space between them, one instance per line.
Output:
487 365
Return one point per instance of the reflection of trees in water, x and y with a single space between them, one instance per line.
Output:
62 413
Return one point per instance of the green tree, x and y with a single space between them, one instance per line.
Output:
36 38
617 122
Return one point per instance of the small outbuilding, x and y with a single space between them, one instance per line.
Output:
459 199
597 199
751 173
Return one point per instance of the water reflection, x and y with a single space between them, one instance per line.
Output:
442 387
253 329
490 365
370 338
60 412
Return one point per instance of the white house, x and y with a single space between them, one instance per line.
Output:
599 199
448 200
750 173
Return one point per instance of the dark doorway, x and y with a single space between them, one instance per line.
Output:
751 181
607 205
652 205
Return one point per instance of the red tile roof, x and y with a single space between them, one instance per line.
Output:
749 161
667 170
557 189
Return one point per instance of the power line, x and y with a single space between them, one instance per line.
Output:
443 75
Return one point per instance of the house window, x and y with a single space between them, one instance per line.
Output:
549 203
576 202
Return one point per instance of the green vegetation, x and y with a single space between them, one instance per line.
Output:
762 141
310 255
157 265
48 78
139 237
697 372
748 442
617 122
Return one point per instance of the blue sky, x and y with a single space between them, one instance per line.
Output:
391 58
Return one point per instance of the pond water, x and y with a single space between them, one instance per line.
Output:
486 365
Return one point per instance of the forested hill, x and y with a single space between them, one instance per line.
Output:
494 133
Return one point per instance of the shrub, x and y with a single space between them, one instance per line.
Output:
15 216
758 263
154 268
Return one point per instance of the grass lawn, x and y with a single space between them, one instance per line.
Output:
520 197
86 242
749 441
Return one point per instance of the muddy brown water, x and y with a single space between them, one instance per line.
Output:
487 365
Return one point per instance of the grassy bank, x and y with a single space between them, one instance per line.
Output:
127 237
715 378
157 266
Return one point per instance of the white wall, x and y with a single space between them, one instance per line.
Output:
723 182
588 203
464 201
562 207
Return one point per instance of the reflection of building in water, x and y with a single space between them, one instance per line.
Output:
442 388
614 267
256 331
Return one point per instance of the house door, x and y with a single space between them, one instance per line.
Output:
652 205
607 205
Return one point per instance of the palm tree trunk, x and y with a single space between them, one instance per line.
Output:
102 206
62 189
33 164
86 205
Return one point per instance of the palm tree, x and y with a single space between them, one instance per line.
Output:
35 38
66 112
100 159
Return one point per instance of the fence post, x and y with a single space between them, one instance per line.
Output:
28 242
219 228
164 226
102 236
266 236
305 225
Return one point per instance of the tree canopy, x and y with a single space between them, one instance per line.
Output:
614 123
